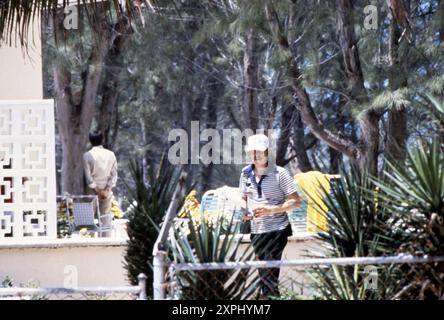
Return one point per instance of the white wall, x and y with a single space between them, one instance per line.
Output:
21 72
97 262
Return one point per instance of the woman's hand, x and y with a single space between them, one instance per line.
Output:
293 201
262 211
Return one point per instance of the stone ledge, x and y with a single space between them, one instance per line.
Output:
61 243
109 242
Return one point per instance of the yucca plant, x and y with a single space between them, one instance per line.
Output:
415 194
208 241
357 227
149 202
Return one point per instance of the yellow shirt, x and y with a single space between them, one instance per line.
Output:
315 185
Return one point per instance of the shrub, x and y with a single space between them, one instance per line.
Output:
149 204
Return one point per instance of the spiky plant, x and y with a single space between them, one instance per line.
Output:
357 227
150 200
415 192
208 241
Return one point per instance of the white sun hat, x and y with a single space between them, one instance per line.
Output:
257 142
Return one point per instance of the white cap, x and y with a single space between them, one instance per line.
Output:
258 142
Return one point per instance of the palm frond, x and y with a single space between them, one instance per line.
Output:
17 17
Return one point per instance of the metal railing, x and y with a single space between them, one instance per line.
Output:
95 293
399 259
214 280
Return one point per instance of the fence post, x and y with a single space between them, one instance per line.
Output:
142 286
159 271
160 264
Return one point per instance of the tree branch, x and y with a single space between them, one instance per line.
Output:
303 103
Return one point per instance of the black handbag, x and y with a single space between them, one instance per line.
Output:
245 227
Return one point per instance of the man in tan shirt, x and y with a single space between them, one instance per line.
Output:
100 167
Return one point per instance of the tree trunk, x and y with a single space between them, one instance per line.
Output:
107 114
350 54
75 110
368 153
397 118
210 120
291 120
335 160
400 13
302 100
369 122
365 154
283 140
340 121
397 134
249 105
441 21
300 144
188 168
72 166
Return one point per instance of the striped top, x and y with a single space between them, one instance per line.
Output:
272 189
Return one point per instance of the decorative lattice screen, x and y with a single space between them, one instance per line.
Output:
27 170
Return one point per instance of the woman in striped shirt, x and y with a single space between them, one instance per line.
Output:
269 192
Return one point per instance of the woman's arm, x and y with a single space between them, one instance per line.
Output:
293 201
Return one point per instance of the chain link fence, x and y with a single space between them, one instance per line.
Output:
301 279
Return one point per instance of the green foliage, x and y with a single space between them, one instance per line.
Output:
353 216
420 184
400 213
358 227
390 100
286 294
415 194
65 217
210 242
435 85
434 108
149 202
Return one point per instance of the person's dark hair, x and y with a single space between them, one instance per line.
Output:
95 138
